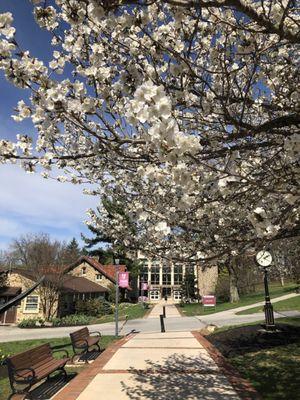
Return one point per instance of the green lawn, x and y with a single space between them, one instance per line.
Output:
276 290
132 311
295 321
273 369
10 348
275 372
284 305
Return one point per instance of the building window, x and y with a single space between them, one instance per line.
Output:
32 304
178 275
99 277
144 274
154 275
154 295
83 271
177 295
166 275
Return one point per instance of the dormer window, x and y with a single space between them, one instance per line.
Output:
83 271
99 277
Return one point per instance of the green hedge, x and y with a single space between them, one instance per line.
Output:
72 320
31 323
93 307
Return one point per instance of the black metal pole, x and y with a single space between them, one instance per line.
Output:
164 311
268 308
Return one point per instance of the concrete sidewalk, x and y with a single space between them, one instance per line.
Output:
229 317
171 310
152 366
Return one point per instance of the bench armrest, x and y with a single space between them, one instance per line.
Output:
83 343
16 372
61 350
98 333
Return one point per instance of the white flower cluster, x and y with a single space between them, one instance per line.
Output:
6 29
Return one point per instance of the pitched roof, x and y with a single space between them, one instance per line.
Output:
107 270
78 284
10 291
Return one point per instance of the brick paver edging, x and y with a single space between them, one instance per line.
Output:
243 387
83 379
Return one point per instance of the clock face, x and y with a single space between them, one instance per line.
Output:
264 258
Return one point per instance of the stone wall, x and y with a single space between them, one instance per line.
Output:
207 280
90 274
18 280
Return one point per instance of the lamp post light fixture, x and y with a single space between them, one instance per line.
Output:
264 259
117 261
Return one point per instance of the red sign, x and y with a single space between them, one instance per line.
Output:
144 286
209 300
123 279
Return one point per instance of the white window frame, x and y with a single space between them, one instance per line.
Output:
101 277
83 269
177 295
33 310
154 295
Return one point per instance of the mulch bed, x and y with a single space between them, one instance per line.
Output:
241 340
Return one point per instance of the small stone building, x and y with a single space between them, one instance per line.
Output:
59 291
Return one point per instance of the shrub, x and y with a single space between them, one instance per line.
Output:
31 323
93 307
222 289
3 357
72 320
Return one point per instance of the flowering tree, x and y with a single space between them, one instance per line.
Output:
185 111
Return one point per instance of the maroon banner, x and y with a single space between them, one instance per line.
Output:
209 300
144 286
123 279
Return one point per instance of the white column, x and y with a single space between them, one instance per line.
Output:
172 274
160 274
183 271
149 272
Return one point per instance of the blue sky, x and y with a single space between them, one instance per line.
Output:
29 203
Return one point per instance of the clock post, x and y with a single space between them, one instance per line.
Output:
264 259
268 308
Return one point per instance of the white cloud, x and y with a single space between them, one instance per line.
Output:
30 203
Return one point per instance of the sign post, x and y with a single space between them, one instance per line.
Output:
209 301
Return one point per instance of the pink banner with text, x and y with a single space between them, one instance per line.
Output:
124 279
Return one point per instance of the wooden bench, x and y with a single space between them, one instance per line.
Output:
31 366
82 340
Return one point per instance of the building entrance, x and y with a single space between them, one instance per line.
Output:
166 291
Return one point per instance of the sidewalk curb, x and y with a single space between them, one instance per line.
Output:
243 387
72 390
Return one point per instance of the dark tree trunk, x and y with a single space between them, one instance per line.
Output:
233 282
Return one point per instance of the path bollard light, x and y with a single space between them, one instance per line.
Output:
162 324
164 311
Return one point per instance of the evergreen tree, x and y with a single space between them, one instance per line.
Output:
73 252
100 244
188 285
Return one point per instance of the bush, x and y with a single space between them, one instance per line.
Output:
94 307
72 320
222 288
31 323
3 357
